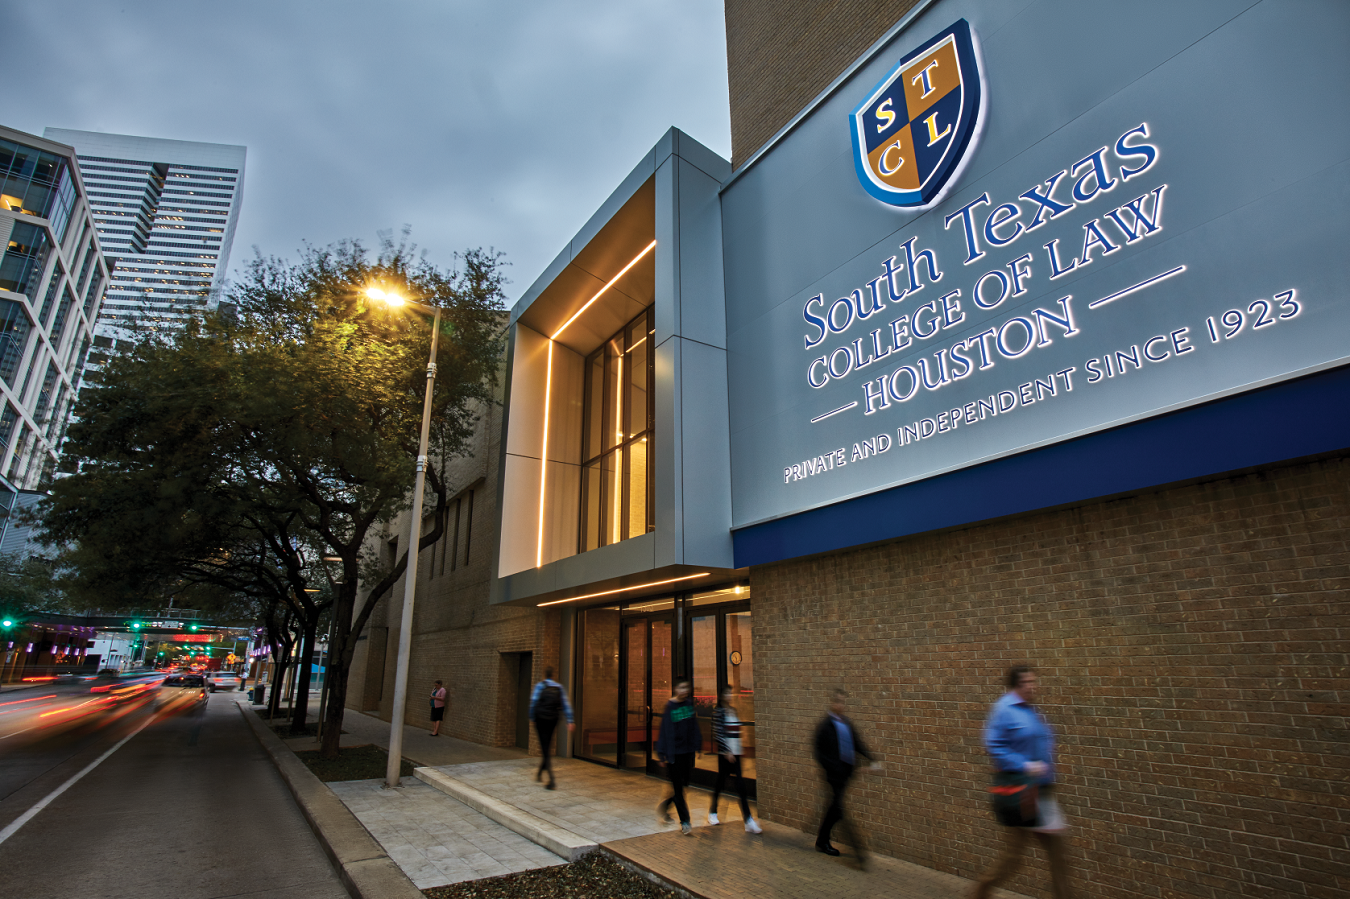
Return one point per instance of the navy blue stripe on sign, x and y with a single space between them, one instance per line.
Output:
1298 418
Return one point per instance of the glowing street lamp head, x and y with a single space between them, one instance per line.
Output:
385 296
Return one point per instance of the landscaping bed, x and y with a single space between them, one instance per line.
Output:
592 877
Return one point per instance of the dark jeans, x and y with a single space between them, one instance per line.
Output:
546 730
679 768
834 814
732 768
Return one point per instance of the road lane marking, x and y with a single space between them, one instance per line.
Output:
29 815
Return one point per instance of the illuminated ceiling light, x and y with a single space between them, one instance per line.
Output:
612 282
687 577
543 461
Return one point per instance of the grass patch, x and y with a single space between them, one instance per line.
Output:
353 763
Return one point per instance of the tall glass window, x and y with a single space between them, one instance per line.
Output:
25 258
14 330
616 481
36 183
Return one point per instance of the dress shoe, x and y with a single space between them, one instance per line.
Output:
828 850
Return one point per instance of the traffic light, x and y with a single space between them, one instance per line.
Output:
194 628
6 624
135 625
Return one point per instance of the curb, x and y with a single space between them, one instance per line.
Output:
555 839
362 864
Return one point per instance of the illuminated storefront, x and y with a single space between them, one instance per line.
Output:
1021 341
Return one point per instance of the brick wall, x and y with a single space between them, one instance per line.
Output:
1192 646
780 55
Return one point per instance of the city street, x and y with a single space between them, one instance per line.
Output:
186 804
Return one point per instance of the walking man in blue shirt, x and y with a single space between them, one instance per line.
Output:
837 748
1021 743
548 702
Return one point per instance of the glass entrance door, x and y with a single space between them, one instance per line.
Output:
628 659
661 685
720 654
637 696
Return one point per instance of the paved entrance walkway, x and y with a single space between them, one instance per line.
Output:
435 839
599 803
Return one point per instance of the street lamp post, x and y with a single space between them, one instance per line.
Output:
414 538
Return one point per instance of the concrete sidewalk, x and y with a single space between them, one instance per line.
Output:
477 811
419 746
614 811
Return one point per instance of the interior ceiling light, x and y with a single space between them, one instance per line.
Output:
687 577
612 281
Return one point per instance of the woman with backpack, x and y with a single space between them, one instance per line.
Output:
726 734
548 702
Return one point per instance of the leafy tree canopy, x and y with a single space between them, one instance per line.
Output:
276 431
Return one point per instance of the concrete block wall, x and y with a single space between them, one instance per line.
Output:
458 637
1192 647
780 55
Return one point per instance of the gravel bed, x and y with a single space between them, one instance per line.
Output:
592 877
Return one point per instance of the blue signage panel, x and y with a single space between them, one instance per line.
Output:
1141 217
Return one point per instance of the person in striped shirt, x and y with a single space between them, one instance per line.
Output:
726 732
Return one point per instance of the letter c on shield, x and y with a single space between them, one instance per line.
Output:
881 162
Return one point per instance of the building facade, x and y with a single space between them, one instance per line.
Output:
1006 340
52 280
166 212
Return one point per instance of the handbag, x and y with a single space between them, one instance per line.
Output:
1015 798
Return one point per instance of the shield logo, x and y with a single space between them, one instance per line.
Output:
915 127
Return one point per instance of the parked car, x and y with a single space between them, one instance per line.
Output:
185 691
223 680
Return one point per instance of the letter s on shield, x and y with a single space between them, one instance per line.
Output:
915 127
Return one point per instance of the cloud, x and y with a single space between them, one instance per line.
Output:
479 124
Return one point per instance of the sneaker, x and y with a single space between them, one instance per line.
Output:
752 826
712 819
685 828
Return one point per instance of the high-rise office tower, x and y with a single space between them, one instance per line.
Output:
166 213
52 275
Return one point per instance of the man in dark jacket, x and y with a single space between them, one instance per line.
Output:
676 745
837 747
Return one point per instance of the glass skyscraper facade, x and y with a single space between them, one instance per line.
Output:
166 212
52 280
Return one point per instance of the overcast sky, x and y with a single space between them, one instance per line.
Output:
501 124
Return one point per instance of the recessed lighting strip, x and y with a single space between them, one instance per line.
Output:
543 461
612 282
687 577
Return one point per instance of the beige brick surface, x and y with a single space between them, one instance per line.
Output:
1194 662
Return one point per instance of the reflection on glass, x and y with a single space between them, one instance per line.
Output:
737 593
595 404
661 674
635 693
637 374
613 422
613 473
591 507
637 488
741 678
703 633
599 735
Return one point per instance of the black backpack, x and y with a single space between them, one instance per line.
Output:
549 705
